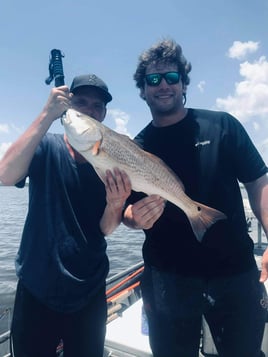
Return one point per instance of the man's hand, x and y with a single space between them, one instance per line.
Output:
144 213
58 102
118 188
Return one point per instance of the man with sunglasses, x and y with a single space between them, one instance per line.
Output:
183 279
62 263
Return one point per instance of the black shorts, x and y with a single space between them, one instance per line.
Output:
233 307
37 330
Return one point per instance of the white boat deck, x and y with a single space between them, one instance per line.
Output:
124 337
124 334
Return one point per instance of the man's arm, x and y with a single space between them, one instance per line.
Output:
16 161
258 198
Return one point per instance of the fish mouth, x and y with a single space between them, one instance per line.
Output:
65 120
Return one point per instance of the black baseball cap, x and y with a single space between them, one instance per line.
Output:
91 80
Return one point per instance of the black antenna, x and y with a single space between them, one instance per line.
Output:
55 68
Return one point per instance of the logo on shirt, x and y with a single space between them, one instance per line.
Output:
202 143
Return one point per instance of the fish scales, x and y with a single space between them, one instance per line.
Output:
106 149
142 167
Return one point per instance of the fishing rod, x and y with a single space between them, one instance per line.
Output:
55 68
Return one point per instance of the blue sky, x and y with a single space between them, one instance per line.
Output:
225 40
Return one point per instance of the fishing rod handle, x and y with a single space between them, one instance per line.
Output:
56 68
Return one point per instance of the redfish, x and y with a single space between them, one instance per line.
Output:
106 149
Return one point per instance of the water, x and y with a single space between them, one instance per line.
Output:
124 246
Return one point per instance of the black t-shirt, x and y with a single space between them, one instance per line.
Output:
62 256
210 152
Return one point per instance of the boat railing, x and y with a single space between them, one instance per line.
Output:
4 337
124 273
257 233
254 227
260 243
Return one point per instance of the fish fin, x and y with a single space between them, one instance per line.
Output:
96 147
203 219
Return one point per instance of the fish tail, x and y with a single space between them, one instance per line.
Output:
203 218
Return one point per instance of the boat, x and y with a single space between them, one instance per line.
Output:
127 329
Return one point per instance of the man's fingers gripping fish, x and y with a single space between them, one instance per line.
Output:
105 149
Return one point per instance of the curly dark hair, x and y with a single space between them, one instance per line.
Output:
167 52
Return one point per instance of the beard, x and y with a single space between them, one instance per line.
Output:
165 108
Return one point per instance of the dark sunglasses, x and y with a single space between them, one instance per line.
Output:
154 79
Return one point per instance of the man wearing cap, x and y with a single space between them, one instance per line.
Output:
62 263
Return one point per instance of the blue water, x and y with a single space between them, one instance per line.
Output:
124 245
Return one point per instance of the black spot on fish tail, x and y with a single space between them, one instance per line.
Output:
203 219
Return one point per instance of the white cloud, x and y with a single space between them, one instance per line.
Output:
11 128
263 148
201 86
239 49
4 128
256 126
7 132
250 98
3 148
121 120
